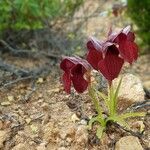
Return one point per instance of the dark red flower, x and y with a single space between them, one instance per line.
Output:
95 52
111 65
74 70
127 47
104 56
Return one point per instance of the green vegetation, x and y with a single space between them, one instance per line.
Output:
33 14
139 11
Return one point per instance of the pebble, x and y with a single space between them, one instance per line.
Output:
45 106
6 103
62 148
139 125
40 80
74 118
28 120
22 146
34 128
128 143
10 98
3 137
83 122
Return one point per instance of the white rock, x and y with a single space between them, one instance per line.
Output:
128 143
10 98
41 147
22 146
138 125
131 90
6 103
62 148
3 137
83 122
74 118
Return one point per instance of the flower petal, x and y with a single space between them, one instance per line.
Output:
95 52
131 36
93 57
67 64
126 30
128 49
94 43
79 83
66 82
111 65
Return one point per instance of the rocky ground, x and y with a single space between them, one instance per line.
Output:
52 120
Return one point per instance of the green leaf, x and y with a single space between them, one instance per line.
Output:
99 132
110 100
92 120
115 97
94 97
104 97
132 114
122 122
119 120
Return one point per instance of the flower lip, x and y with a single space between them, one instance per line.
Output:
74 69
111 65
94 43
112 35
74 61
94 52
126 45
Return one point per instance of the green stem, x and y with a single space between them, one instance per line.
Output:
110 100
94 98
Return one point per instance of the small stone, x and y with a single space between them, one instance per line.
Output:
55 90
3 137
40 80
139 125
32 143
10 98
69 140
41 147
128 143
83 122
22 146
6 124
74 118
147 84
40 95
34 128
28 120
62 148
45 106
46 119
63 135
6 103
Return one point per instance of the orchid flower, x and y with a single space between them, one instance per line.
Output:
75 69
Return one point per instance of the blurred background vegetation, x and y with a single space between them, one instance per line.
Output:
139 11
35 34
38 25
34 14
21 20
